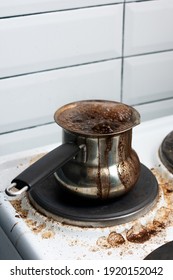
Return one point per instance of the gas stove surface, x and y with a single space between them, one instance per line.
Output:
36 236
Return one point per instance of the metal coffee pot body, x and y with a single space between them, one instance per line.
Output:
106 167
96 159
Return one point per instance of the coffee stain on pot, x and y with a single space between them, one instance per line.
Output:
103 173
129 164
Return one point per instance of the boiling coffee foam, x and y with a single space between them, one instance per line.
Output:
96 117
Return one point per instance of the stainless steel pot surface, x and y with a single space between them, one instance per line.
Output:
108 166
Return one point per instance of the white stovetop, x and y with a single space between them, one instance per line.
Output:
37 237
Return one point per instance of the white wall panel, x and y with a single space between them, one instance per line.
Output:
156 109
22 7
71 39
138 0
148 27
148 78
32 99
27 139
53 40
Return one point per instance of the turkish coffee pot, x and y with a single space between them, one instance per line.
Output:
96 159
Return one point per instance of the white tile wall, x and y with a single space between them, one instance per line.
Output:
148 77
30 100
155 109
60 39
21 140
148 27
148 57
20 7
54 52
138 0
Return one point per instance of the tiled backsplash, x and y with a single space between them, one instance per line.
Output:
148 57
54 52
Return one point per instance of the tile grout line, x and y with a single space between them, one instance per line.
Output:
122 59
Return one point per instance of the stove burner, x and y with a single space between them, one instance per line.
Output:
164 252
166 152
67 208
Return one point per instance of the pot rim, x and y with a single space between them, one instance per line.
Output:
127 125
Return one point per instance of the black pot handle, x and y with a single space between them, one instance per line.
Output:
43 168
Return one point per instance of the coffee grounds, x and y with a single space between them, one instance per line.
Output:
96 117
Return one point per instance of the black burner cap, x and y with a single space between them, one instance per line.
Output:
165 252
166 152
50 199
